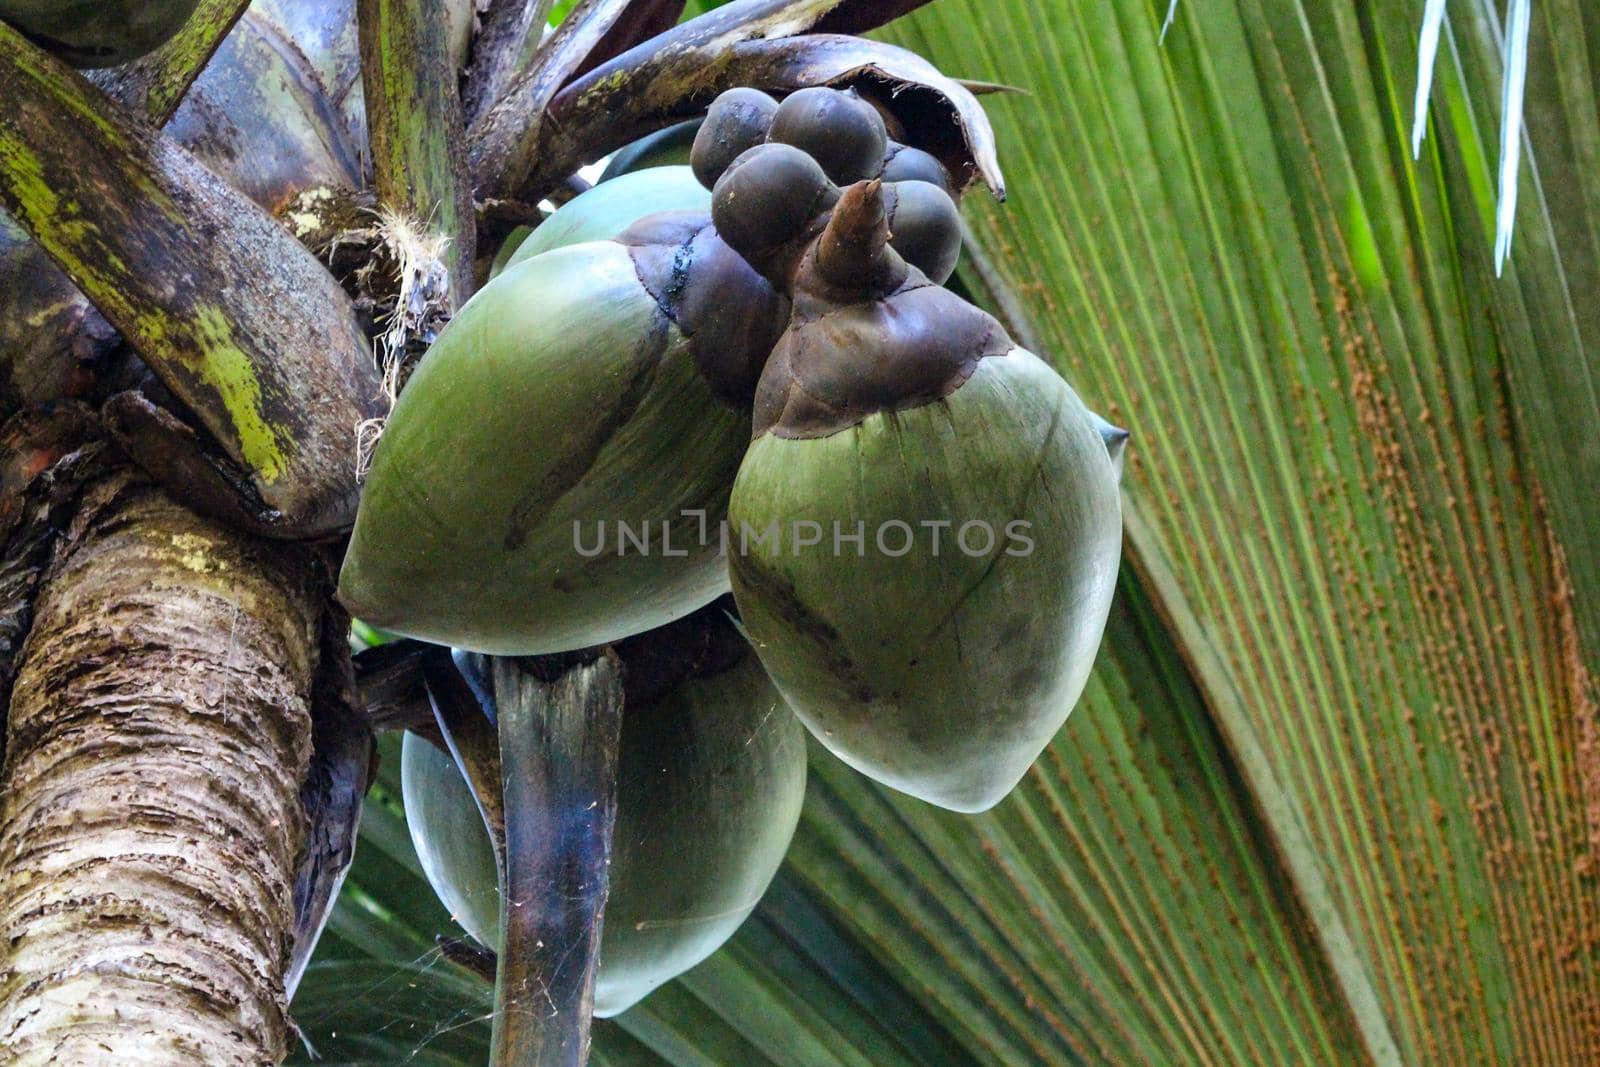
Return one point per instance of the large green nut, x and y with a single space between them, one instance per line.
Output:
553 474
601 213
508 248
710 783
664 148
928 586
97 33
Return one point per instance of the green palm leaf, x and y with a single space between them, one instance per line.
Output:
1356 498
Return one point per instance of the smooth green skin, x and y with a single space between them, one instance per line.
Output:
943 677
611 207
710 784
560 393
664 148
98 33
508 248
448 832
597 216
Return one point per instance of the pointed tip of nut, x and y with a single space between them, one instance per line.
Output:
853 251
860 218
1116 442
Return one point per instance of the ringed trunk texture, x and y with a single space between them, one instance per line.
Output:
159 732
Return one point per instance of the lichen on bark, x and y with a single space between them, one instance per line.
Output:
159 734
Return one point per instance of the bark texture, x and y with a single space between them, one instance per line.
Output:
159 737
236 318
415 131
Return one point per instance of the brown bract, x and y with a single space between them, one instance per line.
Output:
838 364
670 78
731 315
867 332
274 364
702 644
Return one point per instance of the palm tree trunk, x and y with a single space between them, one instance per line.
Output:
158 737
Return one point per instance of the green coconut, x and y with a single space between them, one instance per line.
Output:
554 475
508 248
98 33
606 210
664 148
451 840
596 215
941 651
711 777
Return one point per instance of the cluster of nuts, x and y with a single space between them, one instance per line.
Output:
775 168
746 392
